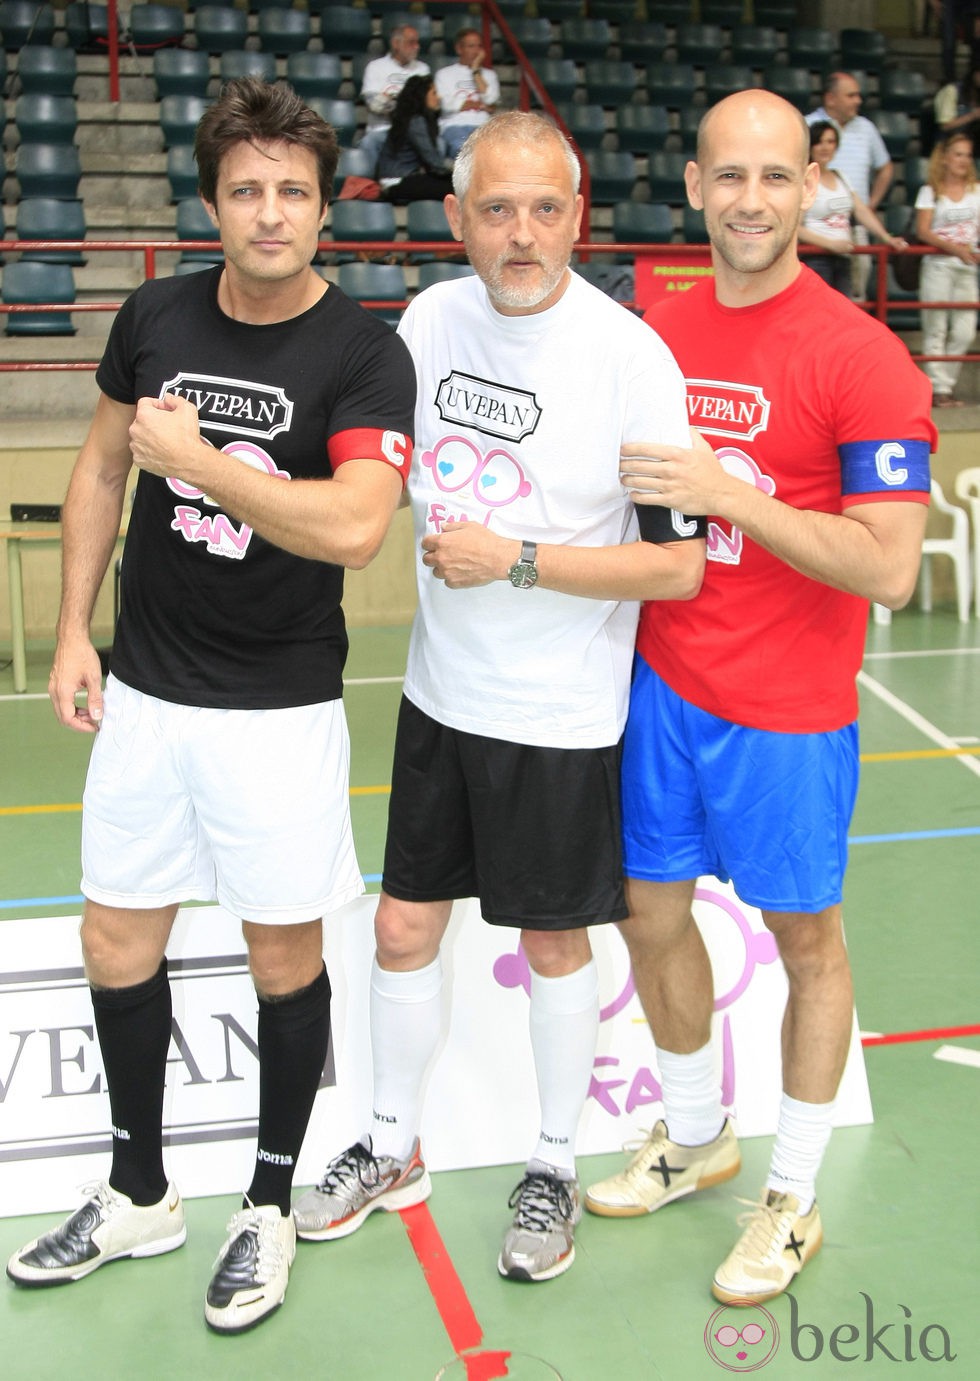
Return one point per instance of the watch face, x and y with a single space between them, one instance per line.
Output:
523 575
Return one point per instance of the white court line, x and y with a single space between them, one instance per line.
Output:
923 652
957 1055
918 721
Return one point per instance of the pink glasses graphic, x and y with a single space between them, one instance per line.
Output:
496 479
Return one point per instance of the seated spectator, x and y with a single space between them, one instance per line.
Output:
828 221
382 81
411 164
947 216
957 106
468 92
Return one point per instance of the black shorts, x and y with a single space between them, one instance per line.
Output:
533 832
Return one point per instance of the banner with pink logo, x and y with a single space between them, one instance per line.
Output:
481 1102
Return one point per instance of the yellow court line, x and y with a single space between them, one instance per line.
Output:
68 807
907 756
910 754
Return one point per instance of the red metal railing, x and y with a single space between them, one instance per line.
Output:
879 305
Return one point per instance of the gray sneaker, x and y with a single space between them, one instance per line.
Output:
354 1184
540 1243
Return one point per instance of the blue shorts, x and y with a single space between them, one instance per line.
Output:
768 811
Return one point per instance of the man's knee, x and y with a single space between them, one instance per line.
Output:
408 934
122 948
811 946
282 959
556 953
660 916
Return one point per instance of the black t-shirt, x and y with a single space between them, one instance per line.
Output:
211 614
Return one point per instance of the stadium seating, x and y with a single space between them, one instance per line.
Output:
48 218
28 281
46 70
181 72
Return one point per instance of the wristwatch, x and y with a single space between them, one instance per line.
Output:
524 572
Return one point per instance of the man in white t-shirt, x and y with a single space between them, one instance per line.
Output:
862 157
505 780
468 91
382 81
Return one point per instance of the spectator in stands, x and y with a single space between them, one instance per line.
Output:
947 216
957 106
228 655
827 223
411 164
861 156
383 79
957 17
468 91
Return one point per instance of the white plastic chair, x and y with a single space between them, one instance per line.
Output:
956 547
967 488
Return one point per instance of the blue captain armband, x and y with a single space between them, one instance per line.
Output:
881 467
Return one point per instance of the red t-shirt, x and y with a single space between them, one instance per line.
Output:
819 405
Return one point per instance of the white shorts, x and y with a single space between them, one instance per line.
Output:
249 808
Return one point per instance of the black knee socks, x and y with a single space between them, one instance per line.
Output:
294 1032
134 1036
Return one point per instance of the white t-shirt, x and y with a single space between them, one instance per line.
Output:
382 81
952 220
454 84
830 213
519 423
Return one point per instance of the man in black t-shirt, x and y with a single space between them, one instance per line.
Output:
270 419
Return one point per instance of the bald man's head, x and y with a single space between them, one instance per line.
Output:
755 109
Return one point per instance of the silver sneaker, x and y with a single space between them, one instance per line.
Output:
252 1269
107 1226
540 1244
353 1185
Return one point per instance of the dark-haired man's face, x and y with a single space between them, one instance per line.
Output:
267 208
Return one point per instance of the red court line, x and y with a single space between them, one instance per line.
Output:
940 1033
444 1284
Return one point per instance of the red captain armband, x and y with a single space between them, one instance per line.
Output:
372 443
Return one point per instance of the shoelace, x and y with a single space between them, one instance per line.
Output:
765 1229
268 1243
101 1192
538 1198
352 1165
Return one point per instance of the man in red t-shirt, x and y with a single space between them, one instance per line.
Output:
740 755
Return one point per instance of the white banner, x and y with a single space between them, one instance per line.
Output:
481 1103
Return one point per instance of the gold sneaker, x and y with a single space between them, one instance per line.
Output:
662 1171
777 1243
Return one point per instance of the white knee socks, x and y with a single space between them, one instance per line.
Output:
802 1135
564 1022
406 1021
692 1096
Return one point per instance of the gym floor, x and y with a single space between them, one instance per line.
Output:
415 1297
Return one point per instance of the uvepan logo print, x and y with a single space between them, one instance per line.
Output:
234 405
510 413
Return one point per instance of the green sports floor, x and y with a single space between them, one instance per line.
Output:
412 1299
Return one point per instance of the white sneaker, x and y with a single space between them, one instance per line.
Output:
107 1226
661 1171
252 1269
777 1243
